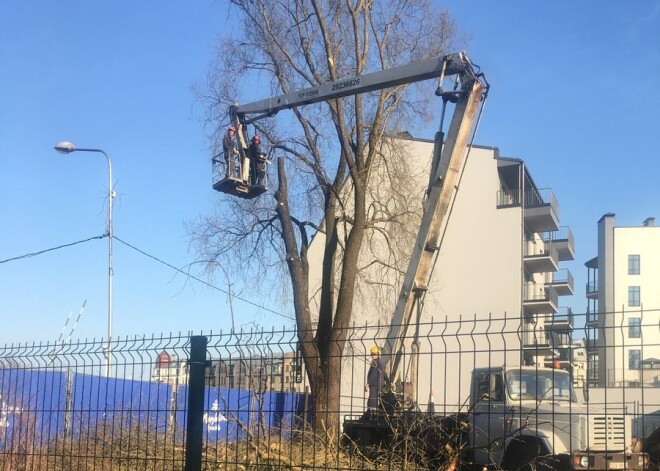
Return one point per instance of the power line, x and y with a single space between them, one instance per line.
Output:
34 254
200 280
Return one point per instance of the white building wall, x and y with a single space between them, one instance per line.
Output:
477 281
645 242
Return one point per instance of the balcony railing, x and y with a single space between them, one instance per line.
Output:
592 287
537 247
539 257
533 292
562 281
533 336
563 276
540 210
592 318
508 197
564 240
534 198
563 233
592 342
565 314
541 197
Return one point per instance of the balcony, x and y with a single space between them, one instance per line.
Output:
536 341
561 281
508 198
561 321
592 289
540 258
592 344
540 210
563 241
538 299
562 360
592 319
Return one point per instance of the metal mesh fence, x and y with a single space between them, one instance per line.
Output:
481 390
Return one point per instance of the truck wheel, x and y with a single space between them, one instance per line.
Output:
652 447
523 460
527 457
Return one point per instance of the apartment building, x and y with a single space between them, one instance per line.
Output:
624 305
497 280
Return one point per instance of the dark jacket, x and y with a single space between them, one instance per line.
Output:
376 376
229 144
254 150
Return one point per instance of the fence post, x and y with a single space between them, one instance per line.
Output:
68 408
194 422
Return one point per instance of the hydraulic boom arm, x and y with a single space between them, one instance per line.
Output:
448 161
452 64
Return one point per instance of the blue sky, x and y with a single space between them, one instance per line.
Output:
574 93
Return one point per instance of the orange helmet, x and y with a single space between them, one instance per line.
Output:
256 138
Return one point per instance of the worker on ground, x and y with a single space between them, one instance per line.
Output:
231 152
376 378
257 162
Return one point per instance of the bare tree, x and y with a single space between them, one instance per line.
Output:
325 155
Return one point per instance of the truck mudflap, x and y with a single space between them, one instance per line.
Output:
608 461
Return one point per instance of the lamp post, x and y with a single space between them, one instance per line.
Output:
66 148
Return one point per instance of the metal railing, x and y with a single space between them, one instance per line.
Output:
592 287
538 292
564 233
533 198
562 276
565 314
536 198
234 168
508 197
538 249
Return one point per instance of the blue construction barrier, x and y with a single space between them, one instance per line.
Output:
230 413
32 406
43 406
119 402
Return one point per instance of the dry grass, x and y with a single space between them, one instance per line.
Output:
128 443
139 449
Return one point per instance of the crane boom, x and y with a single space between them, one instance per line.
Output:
452 64
448 161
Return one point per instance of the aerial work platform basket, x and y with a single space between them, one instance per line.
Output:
237 180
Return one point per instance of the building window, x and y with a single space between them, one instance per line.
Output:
634 327
633 359
633 296
633 264
593 367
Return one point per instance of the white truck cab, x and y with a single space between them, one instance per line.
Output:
530 418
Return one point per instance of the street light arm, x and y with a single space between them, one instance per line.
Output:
67 147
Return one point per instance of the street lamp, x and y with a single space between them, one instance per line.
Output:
66 148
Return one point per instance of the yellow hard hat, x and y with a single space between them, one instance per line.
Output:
374 349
